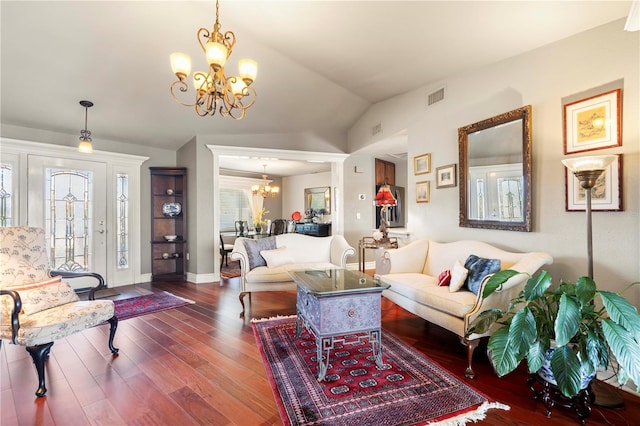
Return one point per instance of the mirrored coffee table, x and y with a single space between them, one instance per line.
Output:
338 306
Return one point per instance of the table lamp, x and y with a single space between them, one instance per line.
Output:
384 199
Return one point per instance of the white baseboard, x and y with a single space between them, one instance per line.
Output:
202 278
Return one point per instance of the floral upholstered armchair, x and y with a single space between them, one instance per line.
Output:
36 306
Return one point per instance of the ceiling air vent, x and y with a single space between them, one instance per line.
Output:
376 129
435 97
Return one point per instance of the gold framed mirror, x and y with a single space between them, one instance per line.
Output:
318 199
495 172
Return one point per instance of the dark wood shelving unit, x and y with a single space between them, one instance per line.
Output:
168 190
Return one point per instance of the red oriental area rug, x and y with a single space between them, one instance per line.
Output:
147 304
409 389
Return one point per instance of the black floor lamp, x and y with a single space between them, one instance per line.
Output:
587 170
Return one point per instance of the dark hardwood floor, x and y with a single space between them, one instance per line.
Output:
199 364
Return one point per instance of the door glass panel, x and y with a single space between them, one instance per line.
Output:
122 219
6 176
68 218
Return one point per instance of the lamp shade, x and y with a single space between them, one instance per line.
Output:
384 197
248 70
595 162
85 146
217 54
180 64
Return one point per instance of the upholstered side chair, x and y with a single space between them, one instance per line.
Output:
36 306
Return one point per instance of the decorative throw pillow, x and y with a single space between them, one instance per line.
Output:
458 275
479 268
277 257
254 247
444 278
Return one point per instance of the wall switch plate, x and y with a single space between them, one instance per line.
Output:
358 216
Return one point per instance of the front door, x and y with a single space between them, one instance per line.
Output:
68 199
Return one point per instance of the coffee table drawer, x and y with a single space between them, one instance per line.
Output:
344 314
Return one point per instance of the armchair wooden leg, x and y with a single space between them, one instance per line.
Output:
39 354
471 346
113 321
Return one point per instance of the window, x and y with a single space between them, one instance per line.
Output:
234 205
122 221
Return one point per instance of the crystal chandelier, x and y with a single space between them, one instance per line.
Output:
85 135
214 91
265 190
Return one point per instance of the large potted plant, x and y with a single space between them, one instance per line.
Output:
581 324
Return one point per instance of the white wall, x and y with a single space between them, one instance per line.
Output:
540 78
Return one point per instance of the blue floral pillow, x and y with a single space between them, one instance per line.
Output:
254 247
478 269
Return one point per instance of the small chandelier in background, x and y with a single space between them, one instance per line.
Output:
265 190
214 91
85 135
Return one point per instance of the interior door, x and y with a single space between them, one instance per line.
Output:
68 199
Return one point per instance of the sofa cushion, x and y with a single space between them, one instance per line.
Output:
479 268
254 247
458 276
277 257
424 289
264 274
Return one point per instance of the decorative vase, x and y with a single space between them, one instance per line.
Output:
546 373
258 229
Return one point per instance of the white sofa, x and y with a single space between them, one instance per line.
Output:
291 251
413 270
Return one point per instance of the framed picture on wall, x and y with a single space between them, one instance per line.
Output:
593 123
422 164
422 192
606 195
446 176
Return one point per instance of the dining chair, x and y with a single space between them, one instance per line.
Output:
225 249
278 226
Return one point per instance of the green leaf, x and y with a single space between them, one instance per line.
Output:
624 347
535 356
565 365
621 311
568 320
483 322
596 350
496 280
585 290
537 285
522 332
503 357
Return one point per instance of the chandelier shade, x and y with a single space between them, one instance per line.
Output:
214 91
265 189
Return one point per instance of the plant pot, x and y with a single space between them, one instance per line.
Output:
546 373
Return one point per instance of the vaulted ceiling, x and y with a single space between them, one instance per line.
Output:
321 63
